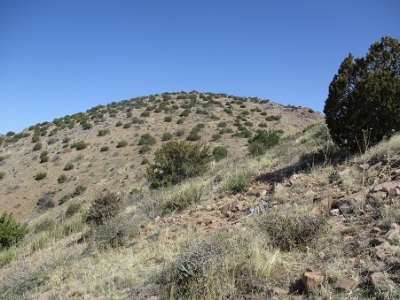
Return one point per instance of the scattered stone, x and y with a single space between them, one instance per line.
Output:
364 166
312 280
393 233
386 186
277 292
334 212
77 291
278 188
376 277
345 209
384 251
47 295
346 284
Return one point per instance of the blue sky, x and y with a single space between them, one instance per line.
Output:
58 58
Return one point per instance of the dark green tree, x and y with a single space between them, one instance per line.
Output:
10 231
363 104
176 161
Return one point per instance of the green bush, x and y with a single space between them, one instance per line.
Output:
127 125
69 166
193 136
176 161
79 190
40 176
62 178
263 140
118 124
147 139
105 207
44 157
72 209
103 132
104 148
361 86
180 132
222 124
180 121
144 149
168 119
79 145
2 174
220 153
37 147
216 137
145 114
11 232
166 136
122 144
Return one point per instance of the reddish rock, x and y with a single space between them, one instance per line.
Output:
346 284
278 292
311 280
376 277
47 295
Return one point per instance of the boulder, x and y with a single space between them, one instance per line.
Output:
311 280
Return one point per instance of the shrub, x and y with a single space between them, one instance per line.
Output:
222 124
289 232
262 141
147 139
2 174
11 232
40 176
37 147
183 197
103 132
248 124
69 166
122 144
45 225
118 124
136 120
79 145
62 178
72 209
127 125
35 138
176 161
145 161
220 153
360 86
216 137
166 136
46 201
104 148
168 119
193 136
105 207
180 121
79 190
180 132
43 157
87 126
145 114
144 149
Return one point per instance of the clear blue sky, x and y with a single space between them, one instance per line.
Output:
63 57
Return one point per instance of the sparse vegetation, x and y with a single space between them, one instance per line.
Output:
69 166
61 179
40 176
122 144
11 232
104 148
44 157
220 153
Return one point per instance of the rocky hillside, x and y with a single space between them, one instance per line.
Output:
108 147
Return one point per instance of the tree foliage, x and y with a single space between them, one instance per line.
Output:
10 231
263 140
176 161
363 105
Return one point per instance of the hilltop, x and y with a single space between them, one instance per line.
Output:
306 220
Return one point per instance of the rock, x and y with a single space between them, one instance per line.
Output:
379 195
311 280
393 233
77 291
234 206
346 284
376 277
277 292
364 166
278 188
345 209
47 295
334 212
322 206
387 186
384 251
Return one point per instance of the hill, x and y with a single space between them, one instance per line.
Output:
108 146
304 221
